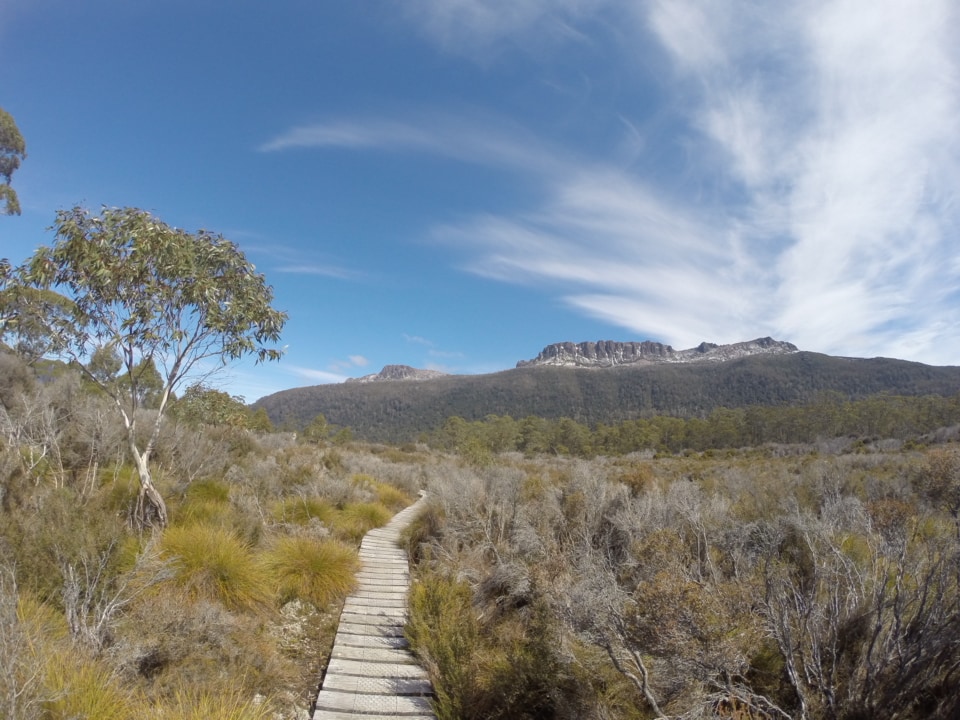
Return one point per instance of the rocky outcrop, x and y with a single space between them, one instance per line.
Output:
398 372
610 353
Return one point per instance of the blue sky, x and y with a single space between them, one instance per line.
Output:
454 184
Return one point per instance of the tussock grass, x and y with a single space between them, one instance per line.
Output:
356 519
200 705
203 512
206 502
317 572
301 510
209 490
82 688
391 497
211 562
386 494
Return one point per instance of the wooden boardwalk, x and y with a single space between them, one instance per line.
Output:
371 674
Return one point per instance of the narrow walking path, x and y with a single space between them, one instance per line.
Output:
371 674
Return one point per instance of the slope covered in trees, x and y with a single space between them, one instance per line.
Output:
400 411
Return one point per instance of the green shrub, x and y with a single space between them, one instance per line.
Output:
212 562
445 634
317 572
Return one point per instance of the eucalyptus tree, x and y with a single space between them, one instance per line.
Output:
157 299
12 150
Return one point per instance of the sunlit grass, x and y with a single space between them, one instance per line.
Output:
356 519
199 705
317 572
300 510
81 688
212 562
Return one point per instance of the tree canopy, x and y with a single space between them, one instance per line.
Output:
12 150
161 300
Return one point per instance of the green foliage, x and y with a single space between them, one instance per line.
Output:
201 405
318 430
13 149
445 634
317 572
156 291
504 669
207 502
154 296
400 412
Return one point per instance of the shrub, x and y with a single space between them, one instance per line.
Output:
212 562
444 632
317 572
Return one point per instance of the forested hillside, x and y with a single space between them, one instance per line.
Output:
400 411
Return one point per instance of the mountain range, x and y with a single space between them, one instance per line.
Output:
603 382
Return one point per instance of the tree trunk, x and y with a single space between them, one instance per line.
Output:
151 510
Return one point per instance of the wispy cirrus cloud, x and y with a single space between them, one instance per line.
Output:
330 271
476 28
293 261
321 377
476 138
833 128
816 201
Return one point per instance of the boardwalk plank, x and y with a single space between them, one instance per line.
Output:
371 675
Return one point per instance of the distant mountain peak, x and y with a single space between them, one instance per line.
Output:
611 353
398 372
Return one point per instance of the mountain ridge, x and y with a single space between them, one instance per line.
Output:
399 411
398 372
611 353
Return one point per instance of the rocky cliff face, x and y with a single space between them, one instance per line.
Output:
609 353
398 372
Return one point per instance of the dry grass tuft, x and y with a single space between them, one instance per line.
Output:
356 519
301 510
199 705
211 562
84 688
317 572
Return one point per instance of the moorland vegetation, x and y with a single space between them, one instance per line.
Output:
227 612
784 580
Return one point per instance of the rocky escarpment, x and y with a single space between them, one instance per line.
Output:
610 353
398 372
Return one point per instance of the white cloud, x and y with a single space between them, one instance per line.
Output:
479 28
331 271
473 137
817 201
322 377
417 340
836 123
